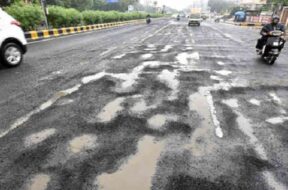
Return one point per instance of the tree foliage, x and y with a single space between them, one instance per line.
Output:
220 6
122 5
281 2
30 16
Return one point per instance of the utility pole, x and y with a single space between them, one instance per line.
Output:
43 4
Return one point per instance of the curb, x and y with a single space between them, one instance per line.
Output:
245 24
57 32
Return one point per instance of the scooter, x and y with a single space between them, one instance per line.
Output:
148 20
272 49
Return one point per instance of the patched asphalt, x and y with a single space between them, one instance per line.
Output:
162 106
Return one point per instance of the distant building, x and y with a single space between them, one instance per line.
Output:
252 4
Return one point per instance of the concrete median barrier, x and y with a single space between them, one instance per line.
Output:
56 32
248 24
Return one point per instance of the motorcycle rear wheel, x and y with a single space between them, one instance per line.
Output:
272 60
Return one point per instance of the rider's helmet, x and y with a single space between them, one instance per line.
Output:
275 19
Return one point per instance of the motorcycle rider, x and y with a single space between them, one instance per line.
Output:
148 18
265 31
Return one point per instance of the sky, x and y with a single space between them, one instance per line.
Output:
176 4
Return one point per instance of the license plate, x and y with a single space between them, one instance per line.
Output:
275 43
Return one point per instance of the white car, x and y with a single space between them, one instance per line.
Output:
13 44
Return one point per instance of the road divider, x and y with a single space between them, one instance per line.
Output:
245 24
56 32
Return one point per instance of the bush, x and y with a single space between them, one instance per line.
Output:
30 16
91 17
63 17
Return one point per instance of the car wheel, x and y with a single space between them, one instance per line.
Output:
11 55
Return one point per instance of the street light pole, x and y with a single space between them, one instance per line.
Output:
43 4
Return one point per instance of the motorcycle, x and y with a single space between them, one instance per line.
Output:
178 18
148 20
272 49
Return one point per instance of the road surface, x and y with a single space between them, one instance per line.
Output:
162 107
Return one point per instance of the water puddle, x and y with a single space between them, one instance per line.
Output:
91 78
39 182
186 58
137 172
141 107
255 102
277 120
272 182
111 110
233 103
167 48
39 137
201 143
275 98
131 78
82 143
213 77
223 72
157 122
220 63
119 56
170 79
147 56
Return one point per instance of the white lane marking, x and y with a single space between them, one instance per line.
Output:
51 75
245 126
138 171
277 120
20 121
39 182
91 78
275 98
155 33
119 56
206 91
107 51
170 79
39 137
111 110
223 72
255 102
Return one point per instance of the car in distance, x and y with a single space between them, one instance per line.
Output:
12 41
195 19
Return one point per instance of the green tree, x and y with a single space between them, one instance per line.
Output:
220 6
281 2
